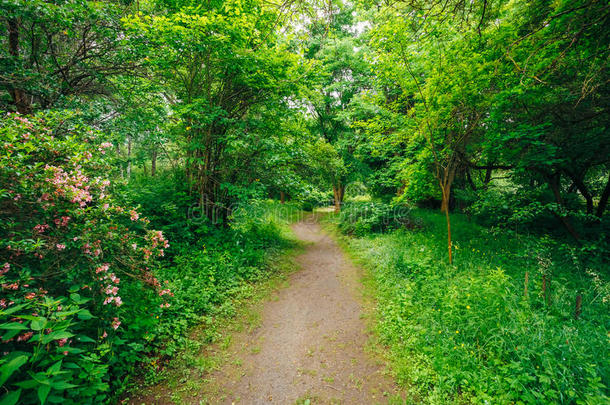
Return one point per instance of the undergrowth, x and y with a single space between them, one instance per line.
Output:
497 327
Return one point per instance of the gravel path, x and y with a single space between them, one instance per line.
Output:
311 343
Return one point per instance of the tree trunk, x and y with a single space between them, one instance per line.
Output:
338 192
446 189
153 162
445 182
487 176
603 200
470 181
582 188
282 197
129 157
554 183
18 95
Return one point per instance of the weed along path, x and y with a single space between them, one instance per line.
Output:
310 346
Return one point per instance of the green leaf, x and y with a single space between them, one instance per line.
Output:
62 385
84 314
13 326
9 368
43 392
13 309
85 339
54 368
11 398
38 324
60 334
78 299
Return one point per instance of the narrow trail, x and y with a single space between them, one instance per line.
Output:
311 343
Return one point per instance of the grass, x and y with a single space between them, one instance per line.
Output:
470 332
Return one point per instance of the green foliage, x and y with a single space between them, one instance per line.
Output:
470 332
361 218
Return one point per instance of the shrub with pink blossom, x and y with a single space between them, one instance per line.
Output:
68 253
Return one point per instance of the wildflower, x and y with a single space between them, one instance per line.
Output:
62 342
30 296
60 246
25 337
5 268
104 335
116 323
103 268
40 228
457 331
467 306
134 215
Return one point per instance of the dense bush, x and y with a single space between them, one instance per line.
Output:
312 198
473 333
82 308
75 265
360 218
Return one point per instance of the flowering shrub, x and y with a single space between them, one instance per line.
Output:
68 253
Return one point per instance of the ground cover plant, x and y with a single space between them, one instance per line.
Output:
516 318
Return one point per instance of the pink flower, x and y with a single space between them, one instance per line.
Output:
116 323
166 305
5 268
105 145
134 246
40 228
105 206
60 246
104 334
25 337
62 342
118 301
103 268
110 290
30 296
134 215
106 183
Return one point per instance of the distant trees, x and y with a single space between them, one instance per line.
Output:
514 87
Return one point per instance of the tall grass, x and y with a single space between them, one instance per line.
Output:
476 331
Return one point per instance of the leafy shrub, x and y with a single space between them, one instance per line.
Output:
69 253
313 198
360 218
471 333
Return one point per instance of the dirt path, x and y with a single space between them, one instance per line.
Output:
311 343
